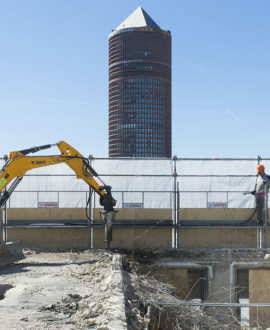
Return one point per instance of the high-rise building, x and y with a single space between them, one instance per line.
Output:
139 88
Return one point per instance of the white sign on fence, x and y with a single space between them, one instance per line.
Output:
48 204
132 205
217 205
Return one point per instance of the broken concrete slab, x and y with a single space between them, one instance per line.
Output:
10 252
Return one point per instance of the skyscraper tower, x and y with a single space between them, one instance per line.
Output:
139 88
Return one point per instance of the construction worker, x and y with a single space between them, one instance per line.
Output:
261 192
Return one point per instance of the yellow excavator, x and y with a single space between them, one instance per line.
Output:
18 164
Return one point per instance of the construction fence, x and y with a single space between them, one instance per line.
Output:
182 193
145 183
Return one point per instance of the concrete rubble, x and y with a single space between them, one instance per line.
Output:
10 252
63 290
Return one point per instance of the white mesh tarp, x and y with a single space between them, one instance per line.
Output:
147 183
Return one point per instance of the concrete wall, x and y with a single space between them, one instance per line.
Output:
46 214
215 214
51 238
217 237
152 238
139 214
135 238
259 292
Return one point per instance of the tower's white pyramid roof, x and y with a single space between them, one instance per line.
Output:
139 18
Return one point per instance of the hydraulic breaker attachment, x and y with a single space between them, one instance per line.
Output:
108 217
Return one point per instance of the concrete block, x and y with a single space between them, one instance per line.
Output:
10 252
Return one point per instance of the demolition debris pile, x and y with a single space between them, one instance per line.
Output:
94 289
63 290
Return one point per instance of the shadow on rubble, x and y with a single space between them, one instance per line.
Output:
135 309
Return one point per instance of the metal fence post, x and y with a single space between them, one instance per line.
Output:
90 229
177 214
1 225
90 219
259 231
5 222
265 214
174 213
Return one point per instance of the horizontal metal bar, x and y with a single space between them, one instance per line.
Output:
151 222
127 225
160 175
171 159
216 175
218 223
220 227
167 159
133 158
225 159
133 175
115 191
92 226
206 304
43 226
144 191
154 224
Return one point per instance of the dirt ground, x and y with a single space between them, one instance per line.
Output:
63 290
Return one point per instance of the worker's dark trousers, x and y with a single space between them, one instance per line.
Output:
260 209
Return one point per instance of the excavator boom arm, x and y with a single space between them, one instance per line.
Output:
18 164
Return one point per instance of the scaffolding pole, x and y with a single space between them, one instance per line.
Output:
174 213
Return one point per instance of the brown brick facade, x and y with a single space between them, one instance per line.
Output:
140 93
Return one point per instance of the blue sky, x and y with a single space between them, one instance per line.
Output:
54 74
